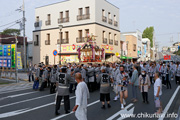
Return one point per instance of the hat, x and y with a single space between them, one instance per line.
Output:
84 65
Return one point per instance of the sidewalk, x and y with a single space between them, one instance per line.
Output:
13 86
21 76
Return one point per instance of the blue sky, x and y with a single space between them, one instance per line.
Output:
164 15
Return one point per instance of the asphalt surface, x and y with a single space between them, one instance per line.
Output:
34 105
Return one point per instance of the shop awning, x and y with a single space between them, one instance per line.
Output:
110 54
67 53
124 57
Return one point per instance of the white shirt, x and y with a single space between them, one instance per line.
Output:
82 94
157 83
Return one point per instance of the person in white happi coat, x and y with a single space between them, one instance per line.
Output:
82 95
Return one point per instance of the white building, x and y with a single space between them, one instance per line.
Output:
146 49
173 49
164 48
78 18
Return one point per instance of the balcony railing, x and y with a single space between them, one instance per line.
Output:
47 42
63 41
36 43
116 42
80 40
104 40
110 21
36 24
63 20
48 22
110 42
104 19
115 23
83 17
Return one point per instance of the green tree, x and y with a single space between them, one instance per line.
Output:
148 33
11 32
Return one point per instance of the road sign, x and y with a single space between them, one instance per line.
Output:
55 52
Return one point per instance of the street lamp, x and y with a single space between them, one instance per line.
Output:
60 28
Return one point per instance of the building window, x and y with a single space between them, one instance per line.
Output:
87 11
115 39
109 15
67 14
80 38
37 19
36 24
103 12
48 22
86 32
80 33
109 18
61 15
66 40
103 37
36 42
115 18
85 16
104 18
80 11
134 47
110 40
62 19
47 42
67 35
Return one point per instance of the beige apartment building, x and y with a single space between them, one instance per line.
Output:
64 27
131 46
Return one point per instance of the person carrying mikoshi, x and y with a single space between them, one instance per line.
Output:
104 80
122 83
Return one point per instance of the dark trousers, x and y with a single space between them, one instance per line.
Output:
71 87
163 80
177 79
91 86
36 84
43 85
30 78
145 96
66 103
52 88
151 79
48 82
168 84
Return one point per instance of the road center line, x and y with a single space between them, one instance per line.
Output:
73 112
169 104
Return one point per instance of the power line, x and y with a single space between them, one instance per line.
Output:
8 27
10 23
166 34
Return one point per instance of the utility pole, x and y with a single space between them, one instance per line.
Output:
16 72
24 37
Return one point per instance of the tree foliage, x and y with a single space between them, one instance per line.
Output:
11 32
148 33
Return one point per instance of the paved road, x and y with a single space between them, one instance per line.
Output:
34 105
